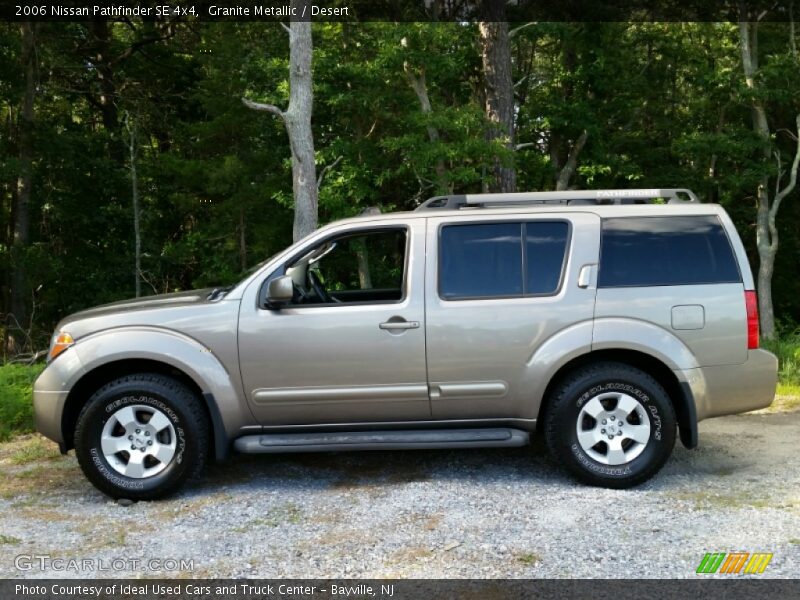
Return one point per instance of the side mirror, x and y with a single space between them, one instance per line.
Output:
280 291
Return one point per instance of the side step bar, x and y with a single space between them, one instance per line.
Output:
381 440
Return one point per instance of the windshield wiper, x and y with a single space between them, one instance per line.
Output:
217 293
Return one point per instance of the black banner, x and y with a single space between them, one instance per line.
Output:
382 589
396 10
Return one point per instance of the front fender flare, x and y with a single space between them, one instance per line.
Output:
221 390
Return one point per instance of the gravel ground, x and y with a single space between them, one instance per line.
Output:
453 514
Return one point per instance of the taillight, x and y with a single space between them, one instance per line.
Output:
751 305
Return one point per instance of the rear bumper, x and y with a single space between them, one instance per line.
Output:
733 389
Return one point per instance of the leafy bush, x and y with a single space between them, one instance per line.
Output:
787 349
16 403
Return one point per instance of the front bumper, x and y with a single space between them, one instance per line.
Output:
734 389
50 391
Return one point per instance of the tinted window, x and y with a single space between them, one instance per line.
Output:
486 261
481 260
545 246
665 251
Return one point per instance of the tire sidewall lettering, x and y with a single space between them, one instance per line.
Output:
99 461
646 403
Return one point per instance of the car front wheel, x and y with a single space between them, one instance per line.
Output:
611 425
141 436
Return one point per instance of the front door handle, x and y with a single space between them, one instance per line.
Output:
399 325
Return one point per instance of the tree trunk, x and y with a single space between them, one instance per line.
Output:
568 170
420 87
137 236
107 98
242 241
22 197
496 57
298 125
767 213
297 120
766 241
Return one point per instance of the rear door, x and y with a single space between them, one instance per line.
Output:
496 289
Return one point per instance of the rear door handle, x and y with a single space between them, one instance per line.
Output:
399 325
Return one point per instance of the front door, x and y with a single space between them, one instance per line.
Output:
350 347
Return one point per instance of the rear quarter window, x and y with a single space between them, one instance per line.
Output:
653 251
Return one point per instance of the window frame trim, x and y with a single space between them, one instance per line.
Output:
280 270
524 263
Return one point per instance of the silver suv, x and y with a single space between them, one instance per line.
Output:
609 319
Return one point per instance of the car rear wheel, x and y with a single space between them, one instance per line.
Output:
141 436
610 425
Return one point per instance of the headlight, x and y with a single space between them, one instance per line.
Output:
60 342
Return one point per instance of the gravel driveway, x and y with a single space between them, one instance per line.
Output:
465 513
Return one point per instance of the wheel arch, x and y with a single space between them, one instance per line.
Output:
100 375
679 393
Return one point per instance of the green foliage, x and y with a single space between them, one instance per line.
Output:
16 403
787 349
662 104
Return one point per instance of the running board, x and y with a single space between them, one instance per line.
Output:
381 440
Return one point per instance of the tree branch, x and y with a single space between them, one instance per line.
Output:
270 108
516 30
286 27
790 185
326 169
568 170
524 145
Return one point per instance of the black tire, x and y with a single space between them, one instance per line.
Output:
176 402
579 388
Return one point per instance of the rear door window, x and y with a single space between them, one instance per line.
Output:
502 260
653 251
481 261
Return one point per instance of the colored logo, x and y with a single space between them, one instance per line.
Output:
734 563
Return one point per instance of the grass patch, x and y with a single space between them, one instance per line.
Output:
287 514
787 349
528 558
9 540
16 404
708 500
784 403
35 449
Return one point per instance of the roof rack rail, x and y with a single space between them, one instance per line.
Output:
568 198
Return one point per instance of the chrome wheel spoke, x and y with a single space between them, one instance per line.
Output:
113 444
616 455
126 417
159 421
594 407
638 433
588 438
163 452
135 466
626 405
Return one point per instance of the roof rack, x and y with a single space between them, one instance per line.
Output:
569 198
